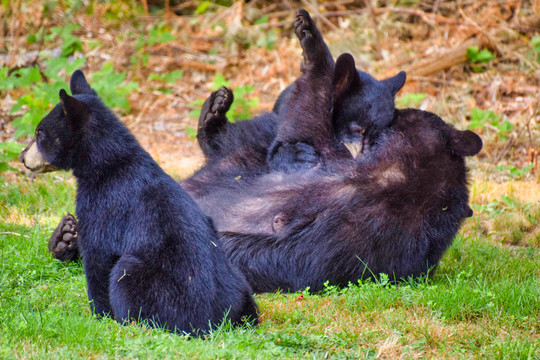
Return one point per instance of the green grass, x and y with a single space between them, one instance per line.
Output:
482 302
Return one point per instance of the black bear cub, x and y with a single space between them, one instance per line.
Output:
149 252
393 208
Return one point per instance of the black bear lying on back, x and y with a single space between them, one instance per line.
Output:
149 252
392 208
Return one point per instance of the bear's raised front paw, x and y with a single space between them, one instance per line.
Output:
63 243
215 108
213 121
222 100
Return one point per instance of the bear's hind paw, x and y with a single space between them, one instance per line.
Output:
63 243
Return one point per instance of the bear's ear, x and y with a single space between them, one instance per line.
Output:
465 143
395 83
76 112
346 78
79 85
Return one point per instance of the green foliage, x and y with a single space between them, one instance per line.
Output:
478 56
196 112
480 119
119 10
38 95
8 151
507 205
33 38
411 99
40 85
219 81
111 88
262 20
160 33
37 87
203 7
535 44
166 78
70 43
267 39
515 173
170 77
191 133
243 105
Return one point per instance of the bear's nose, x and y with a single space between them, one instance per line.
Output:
21 156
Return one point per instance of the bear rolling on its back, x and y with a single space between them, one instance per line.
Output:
148 251
393 208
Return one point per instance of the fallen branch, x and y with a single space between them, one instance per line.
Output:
531 22
443 61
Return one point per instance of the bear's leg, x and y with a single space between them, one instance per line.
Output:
97 278
63 243
306 135
247 311
122 292
213 121
140 291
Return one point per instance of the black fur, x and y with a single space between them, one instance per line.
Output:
368 101
298 143
394 208
149 252
238 154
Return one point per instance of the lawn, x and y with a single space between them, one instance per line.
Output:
483 301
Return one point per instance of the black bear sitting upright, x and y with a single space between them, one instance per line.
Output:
149 252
